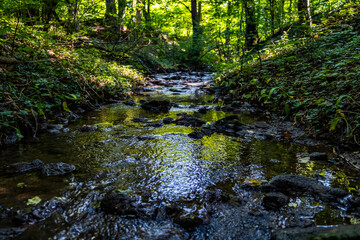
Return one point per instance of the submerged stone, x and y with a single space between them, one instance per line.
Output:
196 135
168 120
140 120
318 156
88 128
300 185
319 233
190 121
157 106
121 204
275 201
57 169
24 167
130 103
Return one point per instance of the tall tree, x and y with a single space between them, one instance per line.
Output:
110 14
304 12
196 38
121 13
50 10
251 33
228 30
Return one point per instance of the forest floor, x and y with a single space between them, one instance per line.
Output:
47 75
313 80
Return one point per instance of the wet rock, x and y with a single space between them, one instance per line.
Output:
61 120
318 233
188 220
146 138
156 124
318 156
168 120
274 161
9 233
140 120
157 106
24 167
275 201
300 185
57 169
10 139
73 116
88 128
203 110
196 135
228 125
121 204
190 121
130 103
215 196
54 128
182 114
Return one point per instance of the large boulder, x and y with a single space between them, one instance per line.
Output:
157 106
296 185
24 167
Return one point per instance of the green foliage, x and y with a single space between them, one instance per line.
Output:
52 78
313 80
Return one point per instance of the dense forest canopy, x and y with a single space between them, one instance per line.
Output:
211 30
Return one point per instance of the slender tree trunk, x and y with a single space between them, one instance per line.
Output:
272 15
196 38
251 34
304 12
121 13
227 31
110 14
73 22
290 11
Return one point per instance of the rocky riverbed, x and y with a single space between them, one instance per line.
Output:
176 161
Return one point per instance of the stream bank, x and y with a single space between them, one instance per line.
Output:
172 163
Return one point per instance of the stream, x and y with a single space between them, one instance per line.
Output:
178 177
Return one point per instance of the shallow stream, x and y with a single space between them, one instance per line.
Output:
161 165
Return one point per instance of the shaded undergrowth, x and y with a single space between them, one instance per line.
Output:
312 80
46 73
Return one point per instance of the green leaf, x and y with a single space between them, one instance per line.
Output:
333 124
33 201
271 91
287 109
339 100
65 107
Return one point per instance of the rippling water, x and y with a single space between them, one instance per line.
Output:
162 166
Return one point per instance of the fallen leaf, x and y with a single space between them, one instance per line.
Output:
286 135
33 201
304 160
179 118
292 205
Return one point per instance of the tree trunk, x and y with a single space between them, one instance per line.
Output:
49 10
73 22
227 31
251 34
110 14
196 38
121 13
304 13
272 15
